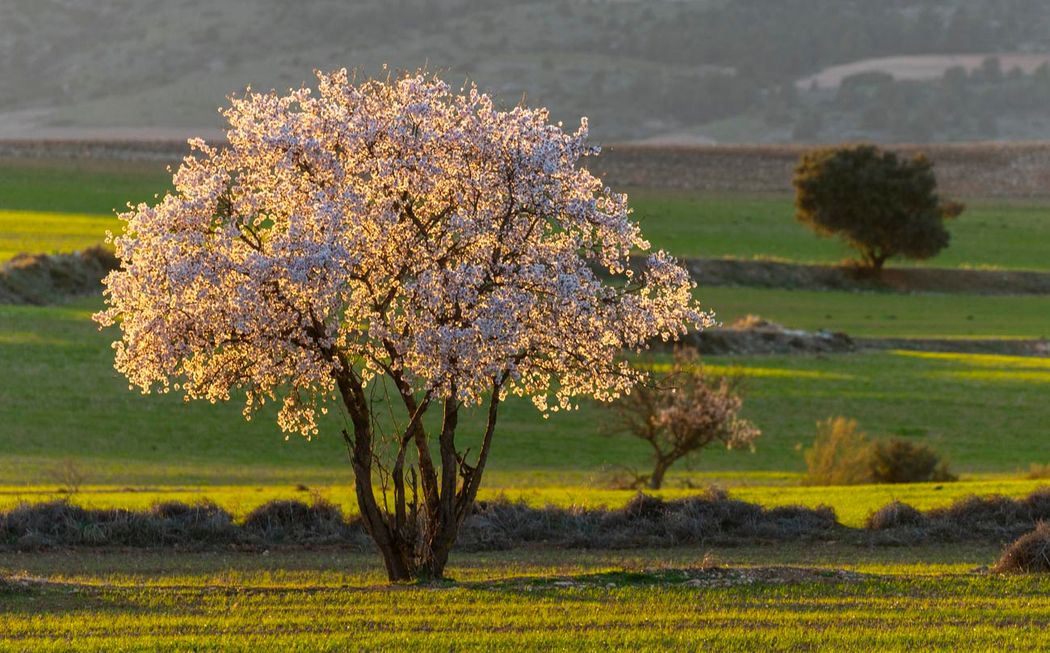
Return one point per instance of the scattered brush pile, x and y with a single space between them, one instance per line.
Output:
60 523
711 518
706 519
50 278
500 524
988 519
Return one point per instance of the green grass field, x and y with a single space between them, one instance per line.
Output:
60 398
67 419
995 234
987 416
887 315
999 234
79 185
787 598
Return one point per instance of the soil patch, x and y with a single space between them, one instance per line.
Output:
754 336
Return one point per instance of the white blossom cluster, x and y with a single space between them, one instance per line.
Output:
388 227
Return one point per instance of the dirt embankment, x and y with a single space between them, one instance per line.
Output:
796 276
753 336
767 342
112 150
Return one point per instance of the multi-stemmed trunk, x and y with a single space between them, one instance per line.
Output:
415 539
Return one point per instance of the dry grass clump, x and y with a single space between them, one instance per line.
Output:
752 322
1029 554
294 521
840 455
60 523
49 278
895 515
992 518
706 518
1037 471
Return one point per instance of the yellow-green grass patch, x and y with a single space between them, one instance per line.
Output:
50 233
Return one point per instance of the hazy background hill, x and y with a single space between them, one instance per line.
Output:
686 71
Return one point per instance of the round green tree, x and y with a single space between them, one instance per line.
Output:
880 204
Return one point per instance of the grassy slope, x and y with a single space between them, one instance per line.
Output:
60 398
546 600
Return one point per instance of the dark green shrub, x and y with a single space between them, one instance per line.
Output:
901 461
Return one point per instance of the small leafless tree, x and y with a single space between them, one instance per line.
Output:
682 411
68 475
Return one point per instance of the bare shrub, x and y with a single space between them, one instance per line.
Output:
68 475
895 515
618 477
900 461
1037 471
1029 554
840 455
684 411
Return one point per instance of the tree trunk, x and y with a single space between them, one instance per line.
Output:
659 470
416 546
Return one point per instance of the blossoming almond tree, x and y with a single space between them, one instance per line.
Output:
391 232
